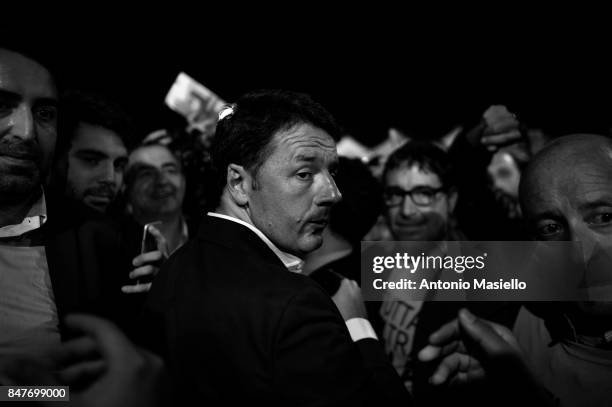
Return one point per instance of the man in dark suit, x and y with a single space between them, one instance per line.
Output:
230 310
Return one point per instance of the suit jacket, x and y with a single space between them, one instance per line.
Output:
235 326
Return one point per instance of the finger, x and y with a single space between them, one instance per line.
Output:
148 257
451 366
159 238
82 372
454 346
446 333
446 368
498 114
501 139
344 284
137 288
430 352
75 350
112 343
502 125
480 333
354 288
147 270
505 333
471 376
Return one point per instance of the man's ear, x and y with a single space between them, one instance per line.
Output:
238 184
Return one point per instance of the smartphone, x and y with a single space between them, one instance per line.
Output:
148 244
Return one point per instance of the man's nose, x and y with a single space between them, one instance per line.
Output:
108 174
408 207
161 178
22 123
330 194
581 235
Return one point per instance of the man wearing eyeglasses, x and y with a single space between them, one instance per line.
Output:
419 193
419 197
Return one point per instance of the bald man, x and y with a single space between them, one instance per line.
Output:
566 194
558 352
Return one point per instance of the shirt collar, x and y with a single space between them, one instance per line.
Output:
34 219
293 263
184 235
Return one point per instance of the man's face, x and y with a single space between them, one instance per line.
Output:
156 185
569 198
28 120
505 173
96 162
291 196
409 221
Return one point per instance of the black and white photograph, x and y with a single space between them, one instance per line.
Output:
305 213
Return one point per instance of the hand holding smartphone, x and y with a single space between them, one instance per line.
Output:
147 262
149 241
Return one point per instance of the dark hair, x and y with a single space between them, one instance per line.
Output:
425 155
361 202
243 137
78 107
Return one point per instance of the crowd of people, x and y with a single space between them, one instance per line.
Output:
114 282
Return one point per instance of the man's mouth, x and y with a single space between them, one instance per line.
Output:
22 156
410 225
19 159
99 200
20 153
162 194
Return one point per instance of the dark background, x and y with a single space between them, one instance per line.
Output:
422 79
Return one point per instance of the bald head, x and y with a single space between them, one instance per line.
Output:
566 190
564 152
564 162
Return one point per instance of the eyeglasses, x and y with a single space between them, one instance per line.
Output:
421 196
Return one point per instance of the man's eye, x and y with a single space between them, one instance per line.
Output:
601 219
549 229
5 106
91 161
425 192
120 167
46 114
392 192
304 175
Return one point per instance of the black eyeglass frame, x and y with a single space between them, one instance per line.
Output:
399 198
